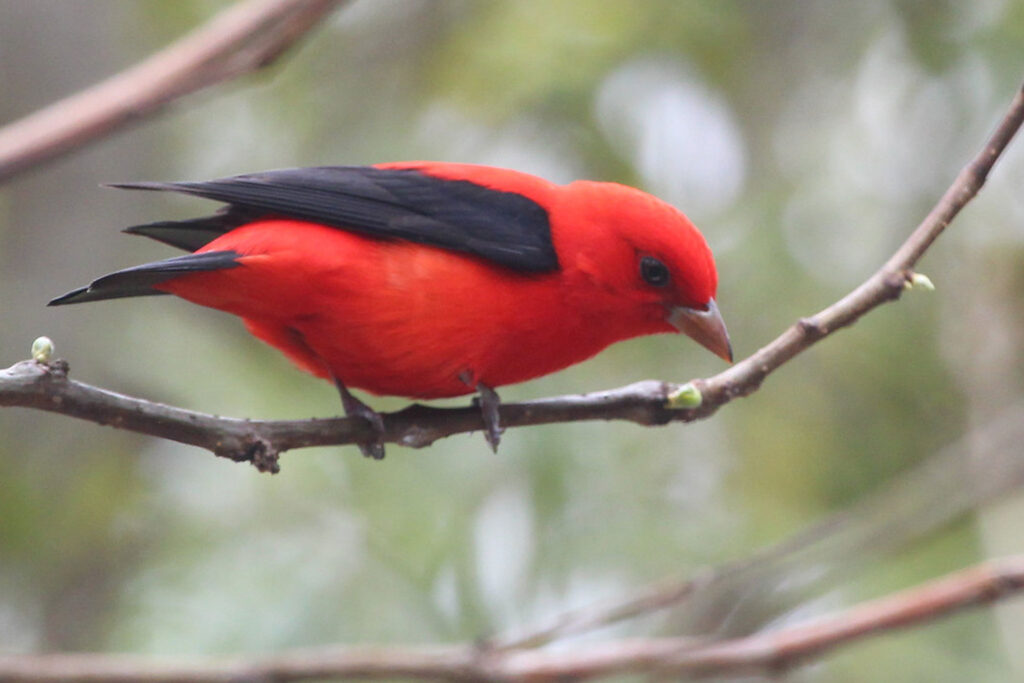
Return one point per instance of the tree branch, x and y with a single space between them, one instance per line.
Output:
765 652
36 385
29 384
245 37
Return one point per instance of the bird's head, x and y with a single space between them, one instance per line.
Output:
642 261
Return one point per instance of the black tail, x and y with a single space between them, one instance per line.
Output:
139 280
188 235
193 234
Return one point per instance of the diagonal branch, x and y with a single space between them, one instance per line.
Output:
47 387
243 38
767 652
885 285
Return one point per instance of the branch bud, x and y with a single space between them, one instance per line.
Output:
42 350
919 281
687 396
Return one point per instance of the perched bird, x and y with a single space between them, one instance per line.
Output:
427 279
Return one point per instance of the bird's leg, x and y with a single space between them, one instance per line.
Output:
489 403
356 408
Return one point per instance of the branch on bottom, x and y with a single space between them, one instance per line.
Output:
766 652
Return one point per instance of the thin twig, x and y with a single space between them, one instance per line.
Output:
245 37
28 384
766 652
646 601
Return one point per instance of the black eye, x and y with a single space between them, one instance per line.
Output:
653 271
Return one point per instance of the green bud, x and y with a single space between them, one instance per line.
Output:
920 281
923 281
686 396
42 350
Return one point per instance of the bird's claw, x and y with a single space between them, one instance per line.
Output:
356 408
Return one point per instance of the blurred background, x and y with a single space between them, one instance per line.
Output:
806 139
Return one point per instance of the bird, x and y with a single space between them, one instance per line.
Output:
429 279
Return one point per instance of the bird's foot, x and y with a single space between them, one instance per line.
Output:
489 404
356 408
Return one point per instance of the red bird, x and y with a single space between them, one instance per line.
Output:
427 280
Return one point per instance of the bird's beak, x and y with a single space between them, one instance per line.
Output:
705 327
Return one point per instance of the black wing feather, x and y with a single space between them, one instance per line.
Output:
503 227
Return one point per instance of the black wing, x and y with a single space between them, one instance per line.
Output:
503 227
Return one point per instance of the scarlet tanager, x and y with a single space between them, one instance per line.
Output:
428 280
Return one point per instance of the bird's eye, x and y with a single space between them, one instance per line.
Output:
653 271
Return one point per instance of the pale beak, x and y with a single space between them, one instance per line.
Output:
705 327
